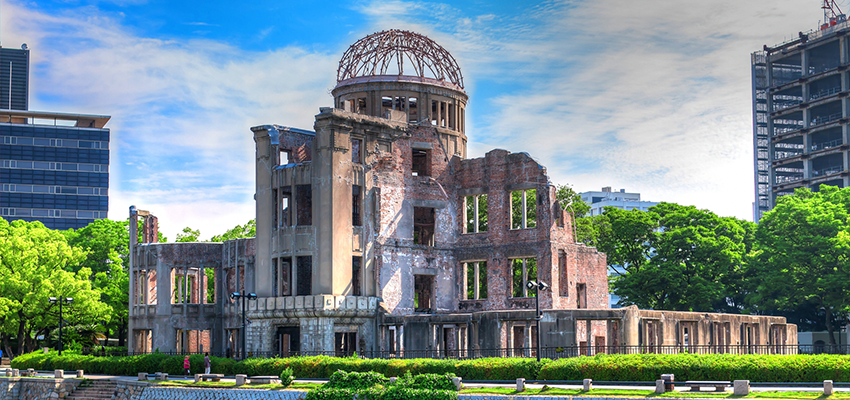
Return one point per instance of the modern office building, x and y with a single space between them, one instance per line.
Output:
54 167
800 113
608 198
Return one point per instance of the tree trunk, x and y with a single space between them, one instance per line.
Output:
121 329
830 328
21 323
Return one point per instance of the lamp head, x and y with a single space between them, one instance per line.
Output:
235 295
52 300
542 286
252 296
69 300
531 284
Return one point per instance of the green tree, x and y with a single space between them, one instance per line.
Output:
239 231
37 263
803 246
692 256
106 243
188 235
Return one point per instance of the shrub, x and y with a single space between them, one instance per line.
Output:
355 380
428 381
286 377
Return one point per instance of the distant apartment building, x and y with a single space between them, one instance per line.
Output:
622 200
800 113
54 167
608 198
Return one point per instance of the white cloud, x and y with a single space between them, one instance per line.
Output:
181 111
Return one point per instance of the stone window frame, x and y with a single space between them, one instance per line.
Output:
477 284
476 214
525 277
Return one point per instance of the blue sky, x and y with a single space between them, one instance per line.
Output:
651 96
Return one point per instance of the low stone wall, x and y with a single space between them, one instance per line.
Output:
172 393
129 390
17 388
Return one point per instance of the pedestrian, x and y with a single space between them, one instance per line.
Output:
207 364
186 365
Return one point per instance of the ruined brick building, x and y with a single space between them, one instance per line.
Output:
375 232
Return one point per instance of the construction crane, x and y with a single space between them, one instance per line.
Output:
832 14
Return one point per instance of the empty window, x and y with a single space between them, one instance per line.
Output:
581 295
476 213
421 162
305 276
356 206
285 200
283 277
345 343
423 287
476 280
356 144
356 262
285 157
275 209
524 209
523 270
423 226
304 202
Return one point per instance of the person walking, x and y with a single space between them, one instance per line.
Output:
207 364
186 365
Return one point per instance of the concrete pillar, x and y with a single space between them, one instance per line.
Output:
741 387
587 384
240 379
827 388
143 376
520 384
59 374
659 386
80 373
804 62
459 383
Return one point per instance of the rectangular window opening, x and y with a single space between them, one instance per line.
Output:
423 226
524 209
356 145
356 206
284 218
581 295
345 343
285 157
423 288
522 271
421 162
356 262
476 280
304 203
305 276
284 277
476 213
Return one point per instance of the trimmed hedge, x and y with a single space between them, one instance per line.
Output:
637 367
726 367
375 386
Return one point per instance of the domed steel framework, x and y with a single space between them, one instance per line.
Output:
374 54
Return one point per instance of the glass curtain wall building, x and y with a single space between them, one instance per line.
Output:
54 167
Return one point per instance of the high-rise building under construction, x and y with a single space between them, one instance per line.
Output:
801 112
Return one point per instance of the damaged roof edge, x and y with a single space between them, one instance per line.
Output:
282 128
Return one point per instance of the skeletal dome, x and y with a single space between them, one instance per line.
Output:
400 53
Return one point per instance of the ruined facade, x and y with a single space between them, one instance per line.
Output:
376 234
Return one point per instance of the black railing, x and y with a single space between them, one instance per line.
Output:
530 352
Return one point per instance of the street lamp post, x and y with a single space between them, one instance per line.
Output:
537 286
66 300
244 296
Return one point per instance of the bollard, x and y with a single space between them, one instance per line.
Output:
197 378
143 376
827 388
80 373
240 379
520 384
668 382
587 384
8 372
458 382
16 372
163 376
30 372
59 374
659 386
741 388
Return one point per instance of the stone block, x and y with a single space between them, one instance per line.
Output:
350 303
59 374
289 302
240 379
741 387
8 372
520 384
659 386
327 302
458 382
261 304
197 378
16 372
252 305
299 302
339 302
143 376
308 302
827 388
373 303
163 376
30 372
362 303
279 303
587 384
80 373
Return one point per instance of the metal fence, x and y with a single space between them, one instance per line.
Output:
545 352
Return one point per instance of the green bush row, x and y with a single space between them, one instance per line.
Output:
637 367
375 386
